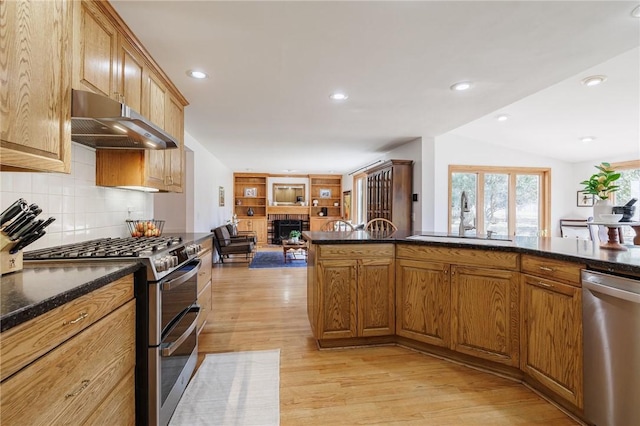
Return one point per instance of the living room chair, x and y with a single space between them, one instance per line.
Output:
380 225
336 225
228 246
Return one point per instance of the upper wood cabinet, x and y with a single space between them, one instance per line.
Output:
110 61
35 85
95 51
389 192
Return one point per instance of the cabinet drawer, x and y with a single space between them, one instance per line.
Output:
204 300
204 273
28 341
354 251
68 384
552 269
472 257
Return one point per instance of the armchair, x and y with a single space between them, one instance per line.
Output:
226 245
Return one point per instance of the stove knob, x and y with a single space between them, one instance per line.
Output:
174 261
160 265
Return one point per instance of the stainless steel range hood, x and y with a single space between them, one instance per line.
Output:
103 123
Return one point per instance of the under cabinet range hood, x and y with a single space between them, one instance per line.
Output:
102 123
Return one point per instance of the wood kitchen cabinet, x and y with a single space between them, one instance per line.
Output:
204 282
109 60
471 306
71 358
551 345
36 105
423 301
353 291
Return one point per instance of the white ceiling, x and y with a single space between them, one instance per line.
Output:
272 66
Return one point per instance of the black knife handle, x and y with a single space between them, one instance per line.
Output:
28 240
28 228
43 225
14 209
18 223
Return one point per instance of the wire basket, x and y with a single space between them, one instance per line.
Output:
145 228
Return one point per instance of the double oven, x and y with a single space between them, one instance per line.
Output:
166 313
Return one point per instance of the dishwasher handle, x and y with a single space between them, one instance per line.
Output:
612 291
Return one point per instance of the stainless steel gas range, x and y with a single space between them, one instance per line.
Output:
166 313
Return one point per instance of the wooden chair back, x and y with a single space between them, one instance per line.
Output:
380 225
336 225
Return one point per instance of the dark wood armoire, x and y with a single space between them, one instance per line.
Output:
389 192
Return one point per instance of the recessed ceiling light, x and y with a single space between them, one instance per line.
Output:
636 12
502 117
461 86
587 139
197 74
594 80
339 96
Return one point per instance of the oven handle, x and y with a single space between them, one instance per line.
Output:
170 349
171 284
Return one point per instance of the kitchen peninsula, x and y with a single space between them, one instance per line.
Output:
510 307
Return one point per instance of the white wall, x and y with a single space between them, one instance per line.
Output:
458 150
83 211
209 174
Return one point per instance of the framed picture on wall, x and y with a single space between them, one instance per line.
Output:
221 196
251 192
325 193
346 203
584 200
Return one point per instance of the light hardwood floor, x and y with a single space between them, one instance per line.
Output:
255 309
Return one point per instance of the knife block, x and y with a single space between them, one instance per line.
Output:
9 262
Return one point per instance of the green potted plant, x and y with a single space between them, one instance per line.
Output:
601 185
294 236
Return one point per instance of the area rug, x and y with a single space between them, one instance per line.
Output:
235 388
275 259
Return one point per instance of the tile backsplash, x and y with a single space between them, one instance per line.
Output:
83 211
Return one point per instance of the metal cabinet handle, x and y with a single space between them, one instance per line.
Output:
540 283
544 268
82 387
82 316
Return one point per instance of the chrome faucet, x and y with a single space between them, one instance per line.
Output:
464 208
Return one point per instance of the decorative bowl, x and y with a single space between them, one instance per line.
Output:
611 217
145 227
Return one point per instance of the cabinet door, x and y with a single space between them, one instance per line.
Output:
154 106
260 228
485 313
35 85
67 385
174 119
96 43
423 302
552 336
130 77
337 299
376 304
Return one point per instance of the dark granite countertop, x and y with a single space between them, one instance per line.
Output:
189 237
571 249
39 288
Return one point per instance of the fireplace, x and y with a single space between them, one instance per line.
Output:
281 229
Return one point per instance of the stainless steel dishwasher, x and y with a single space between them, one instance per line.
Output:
611 328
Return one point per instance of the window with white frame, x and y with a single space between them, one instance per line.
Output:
502 200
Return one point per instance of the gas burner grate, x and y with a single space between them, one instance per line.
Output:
106 248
